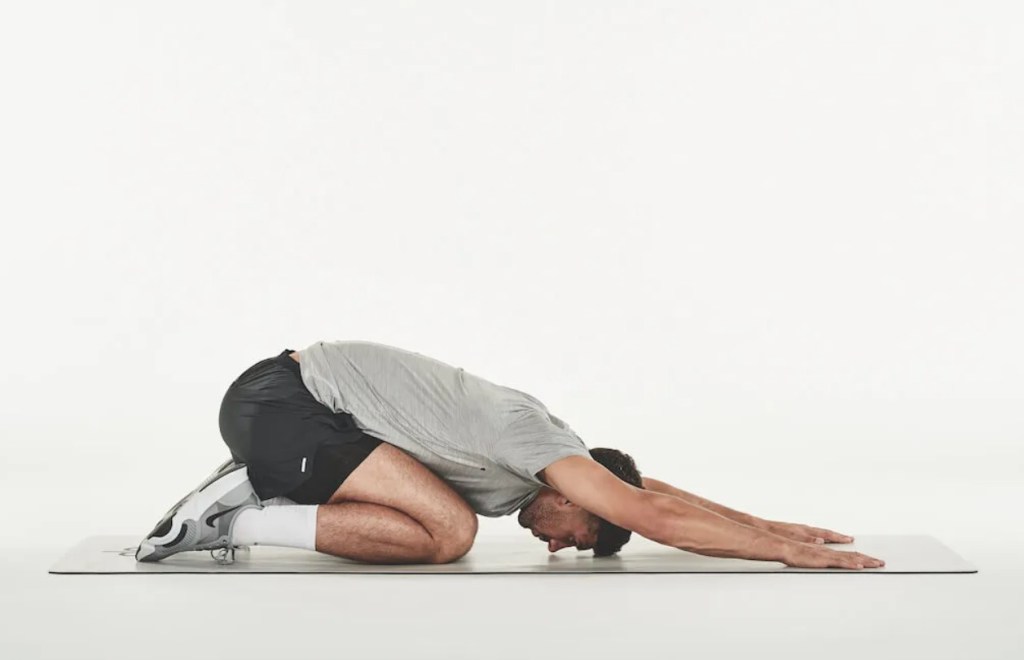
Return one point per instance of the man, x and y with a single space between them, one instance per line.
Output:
382 455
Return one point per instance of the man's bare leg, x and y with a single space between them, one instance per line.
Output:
394 509
372 533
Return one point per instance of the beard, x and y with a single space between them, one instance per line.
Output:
529 515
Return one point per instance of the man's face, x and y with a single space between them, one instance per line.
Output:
573 528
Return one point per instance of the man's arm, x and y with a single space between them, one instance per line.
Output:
659 517
737 516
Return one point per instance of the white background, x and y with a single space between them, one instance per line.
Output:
771 250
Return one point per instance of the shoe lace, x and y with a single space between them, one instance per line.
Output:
225 555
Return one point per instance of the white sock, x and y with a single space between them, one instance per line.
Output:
290 526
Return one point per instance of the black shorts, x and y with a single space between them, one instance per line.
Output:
292 444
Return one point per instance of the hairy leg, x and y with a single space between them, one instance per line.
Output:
372 533
393 509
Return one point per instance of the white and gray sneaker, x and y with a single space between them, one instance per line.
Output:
203 519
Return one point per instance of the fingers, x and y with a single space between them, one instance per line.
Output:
809 534
806 555
828 536
803 535
856 560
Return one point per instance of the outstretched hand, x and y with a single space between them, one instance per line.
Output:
803 533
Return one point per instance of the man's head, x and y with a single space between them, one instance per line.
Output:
561 524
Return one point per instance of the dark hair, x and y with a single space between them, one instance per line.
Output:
611 537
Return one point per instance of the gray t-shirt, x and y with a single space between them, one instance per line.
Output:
485 440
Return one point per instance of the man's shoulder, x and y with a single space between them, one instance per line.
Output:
568 467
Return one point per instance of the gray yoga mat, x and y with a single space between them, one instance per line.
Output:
902 554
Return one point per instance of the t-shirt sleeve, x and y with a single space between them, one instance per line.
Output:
534 442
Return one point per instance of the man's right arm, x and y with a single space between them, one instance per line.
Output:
659 517
690 527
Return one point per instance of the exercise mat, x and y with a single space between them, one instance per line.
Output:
901 554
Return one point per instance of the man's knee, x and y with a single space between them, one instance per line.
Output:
458 541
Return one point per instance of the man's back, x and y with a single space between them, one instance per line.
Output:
486 440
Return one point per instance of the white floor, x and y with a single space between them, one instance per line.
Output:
703 616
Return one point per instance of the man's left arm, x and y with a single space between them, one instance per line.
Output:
737 516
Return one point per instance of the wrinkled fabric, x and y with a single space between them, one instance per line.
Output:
485 440
270 422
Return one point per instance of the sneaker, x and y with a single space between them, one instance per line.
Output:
203 519
166 520
213 475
